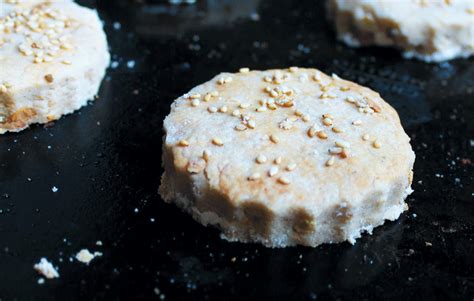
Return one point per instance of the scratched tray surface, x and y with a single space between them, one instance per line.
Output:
105 161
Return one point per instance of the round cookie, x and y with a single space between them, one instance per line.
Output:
286 157
53 56
429 30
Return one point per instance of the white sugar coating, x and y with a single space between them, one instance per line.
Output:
53 56
442 29
285 181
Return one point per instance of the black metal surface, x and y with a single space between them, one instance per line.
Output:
105 161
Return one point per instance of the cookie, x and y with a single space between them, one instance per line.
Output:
286 157
429 30
53 56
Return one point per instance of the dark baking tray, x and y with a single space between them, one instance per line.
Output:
106 162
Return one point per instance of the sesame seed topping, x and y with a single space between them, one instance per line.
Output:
255 176
293 69
337 130
240 127
183 143
195 96
207 97
217 141
277 160
284 180
261 109
312 131
223 109
327 121
227 80
343 144
344 89
261 159
244 70
267 79
206 155
274 138
306 118
251 124
3 88
335 150
291 167
350 99
376 144
66 62
322 135
212 109
317 77
195 102
236 113
357 122
273 171
244 105
298 113
330 161
49 78
214 93
366 137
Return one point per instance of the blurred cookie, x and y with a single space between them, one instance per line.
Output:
286 157
429 30
53 56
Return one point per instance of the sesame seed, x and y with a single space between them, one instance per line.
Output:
335 150
206 155
273 171
240 127
195 96
343 144
312 131
261 159
214 93
327 121
291 167
223 109
221 81
244 70
228 80
183 143
3 89
207 97
255 176
327 115
274 93
365 137
261 109
236 113
344 89
49 78
293 69
317 77
251 124
322 135
217 141
212 109
277 160
244 105
330 162
284 180
195 102
274 138
306 118
350 99
335 129
298 113
376 144
267 79
66 62
357 122
271 106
